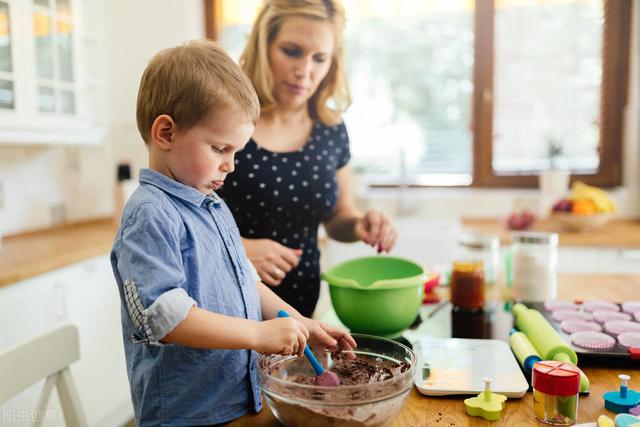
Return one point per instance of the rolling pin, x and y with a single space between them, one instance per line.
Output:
525 352
545 339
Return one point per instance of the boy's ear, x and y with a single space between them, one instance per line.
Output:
162 131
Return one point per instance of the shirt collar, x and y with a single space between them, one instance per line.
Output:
175 188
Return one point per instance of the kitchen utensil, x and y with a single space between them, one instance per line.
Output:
377 295
323 377
545 338
524 351
486 405
621 400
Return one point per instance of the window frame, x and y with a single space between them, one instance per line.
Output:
613 99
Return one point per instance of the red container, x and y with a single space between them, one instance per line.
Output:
556 378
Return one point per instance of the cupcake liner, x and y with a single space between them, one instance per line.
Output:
629 339
593 340
561 315
554 305
600 305
631 307
608 316
617 327
572 326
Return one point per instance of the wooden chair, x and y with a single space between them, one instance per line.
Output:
47 356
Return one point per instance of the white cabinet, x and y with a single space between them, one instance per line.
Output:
86 295
51 71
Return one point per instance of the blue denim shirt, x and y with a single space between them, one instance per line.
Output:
177 248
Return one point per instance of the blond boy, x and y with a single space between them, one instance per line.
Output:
192 304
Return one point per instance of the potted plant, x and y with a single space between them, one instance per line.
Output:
554 181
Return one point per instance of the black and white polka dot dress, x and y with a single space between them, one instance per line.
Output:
284 197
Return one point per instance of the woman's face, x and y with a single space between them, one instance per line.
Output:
300 57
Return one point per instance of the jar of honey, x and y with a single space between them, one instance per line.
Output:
467 285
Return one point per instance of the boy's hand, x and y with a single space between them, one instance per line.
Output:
324 336
283 336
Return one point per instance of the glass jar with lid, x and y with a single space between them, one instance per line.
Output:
534 256
467 285
484 248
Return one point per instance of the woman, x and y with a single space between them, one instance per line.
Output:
294 172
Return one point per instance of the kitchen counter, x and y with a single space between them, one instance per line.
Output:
618 233
28 254
421 410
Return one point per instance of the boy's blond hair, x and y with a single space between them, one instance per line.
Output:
190 82
255 62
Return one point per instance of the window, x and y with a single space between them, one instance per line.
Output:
557 71
43 96
471 93
53 32
7 97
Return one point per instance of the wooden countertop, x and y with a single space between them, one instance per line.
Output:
619 233
422 410
29 254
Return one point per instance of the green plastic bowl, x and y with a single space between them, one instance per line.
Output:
376 295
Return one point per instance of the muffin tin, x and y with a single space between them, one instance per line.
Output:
596 329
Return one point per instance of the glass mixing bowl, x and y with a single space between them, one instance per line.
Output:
374 403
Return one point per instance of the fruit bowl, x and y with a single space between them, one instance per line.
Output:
580 222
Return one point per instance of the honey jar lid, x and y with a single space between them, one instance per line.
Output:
556 378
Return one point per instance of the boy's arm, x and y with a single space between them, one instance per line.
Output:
320 334
205 329
272 303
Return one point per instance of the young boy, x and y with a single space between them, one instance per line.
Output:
192 304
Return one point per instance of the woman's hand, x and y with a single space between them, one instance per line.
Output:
325 336
271 259
377 230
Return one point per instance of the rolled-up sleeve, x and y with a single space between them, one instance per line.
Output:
149 263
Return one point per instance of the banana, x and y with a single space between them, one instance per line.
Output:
599 198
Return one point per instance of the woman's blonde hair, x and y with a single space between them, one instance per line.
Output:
255 61
191 82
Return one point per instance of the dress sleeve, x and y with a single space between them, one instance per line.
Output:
150 267
343 150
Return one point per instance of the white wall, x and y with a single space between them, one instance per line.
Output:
164 24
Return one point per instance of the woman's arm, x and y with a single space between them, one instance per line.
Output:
347 224
341 225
